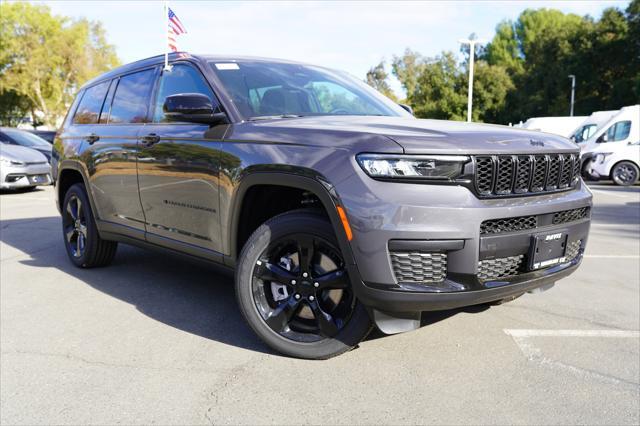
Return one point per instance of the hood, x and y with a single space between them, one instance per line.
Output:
417 136
21 153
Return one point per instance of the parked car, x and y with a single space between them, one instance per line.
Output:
620 163
590 125
621 130
47 135
23 138
22 168
563 126
336 208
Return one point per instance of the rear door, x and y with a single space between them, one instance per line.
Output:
112 153
178 169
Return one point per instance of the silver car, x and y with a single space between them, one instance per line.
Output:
22 167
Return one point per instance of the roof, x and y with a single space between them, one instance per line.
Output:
158 59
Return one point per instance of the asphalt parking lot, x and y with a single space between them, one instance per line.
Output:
155 339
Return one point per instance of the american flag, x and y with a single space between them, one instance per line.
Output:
175 28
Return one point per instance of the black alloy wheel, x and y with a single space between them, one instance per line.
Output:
75 226
301 288
82 241
294 289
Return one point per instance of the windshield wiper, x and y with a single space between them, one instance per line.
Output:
272 117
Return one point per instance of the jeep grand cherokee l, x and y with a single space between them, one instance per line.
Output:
336 207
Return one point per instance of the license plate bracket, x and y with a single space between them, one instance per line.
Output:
547 250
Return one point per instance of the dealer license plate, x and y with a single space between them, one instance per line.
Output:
548 250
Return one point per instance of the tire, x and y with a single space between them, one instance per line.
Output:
299 315
585 171
625 173
84 246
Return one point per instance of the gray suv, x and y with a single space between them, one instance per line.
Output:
336 208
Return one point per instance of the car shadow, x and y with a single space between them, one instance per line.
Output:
17 191
189 295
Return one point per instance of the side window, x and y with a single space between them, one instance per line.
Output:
106 109
619 131
131 98
181 79
90 105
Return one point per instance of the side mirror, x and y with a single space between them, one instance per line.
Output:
407 108
192 108
603 138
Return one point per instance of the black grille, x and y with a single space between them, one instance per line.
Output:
504 267
499 268
573 250
503 175
570 215
511 224
484 174
418 267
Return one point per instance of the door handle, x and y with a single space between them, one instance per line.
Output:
150 139
92 138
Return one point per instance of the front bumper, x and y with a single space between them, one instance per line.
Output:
16 177
439 214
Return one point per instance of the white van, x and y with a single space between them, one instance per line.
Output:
588 127
563 126
618 163
612 152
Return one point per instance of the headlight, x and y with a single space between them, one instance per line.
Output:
412 166
602 156
11 162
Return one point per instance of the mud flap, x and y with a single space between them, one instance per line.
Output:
394 323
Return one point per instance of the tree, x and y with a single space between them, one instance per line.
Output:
407 68
542 47
13 108
377 78
438 87
45 58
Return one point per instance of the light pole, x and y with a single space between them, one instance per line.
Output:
472 52
573 91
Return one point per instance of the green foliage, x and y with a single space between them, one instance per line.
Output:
13 108
523 72
377 78
44 59
438 87
544 46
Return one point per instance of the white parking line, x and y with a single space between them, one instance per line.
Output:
522 338
573 333
616 194
612 256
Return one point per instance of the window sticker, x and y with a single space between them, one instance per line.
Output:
227 66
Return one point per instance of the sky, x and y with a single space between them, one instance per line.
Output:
349 35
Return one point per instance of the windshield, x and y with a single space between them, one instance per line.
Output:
270 89
584 133
26 139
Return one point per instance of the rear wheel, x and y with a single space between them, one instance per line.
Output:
625 173
294 290
81 239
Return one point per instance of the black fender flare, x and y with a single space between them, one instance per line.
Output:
77 167
320 187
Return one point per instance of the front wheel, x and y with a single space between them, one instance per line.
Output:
294 291
625 173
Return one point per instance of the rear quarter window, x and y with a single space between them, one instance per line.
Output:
131 99
88 111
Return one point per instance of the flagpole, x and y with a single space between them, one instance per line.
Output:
166 35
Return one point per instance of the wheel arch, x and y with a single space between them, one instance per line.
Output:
70 173
320 188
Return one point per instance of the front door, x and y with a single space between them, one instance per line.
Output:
178 170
